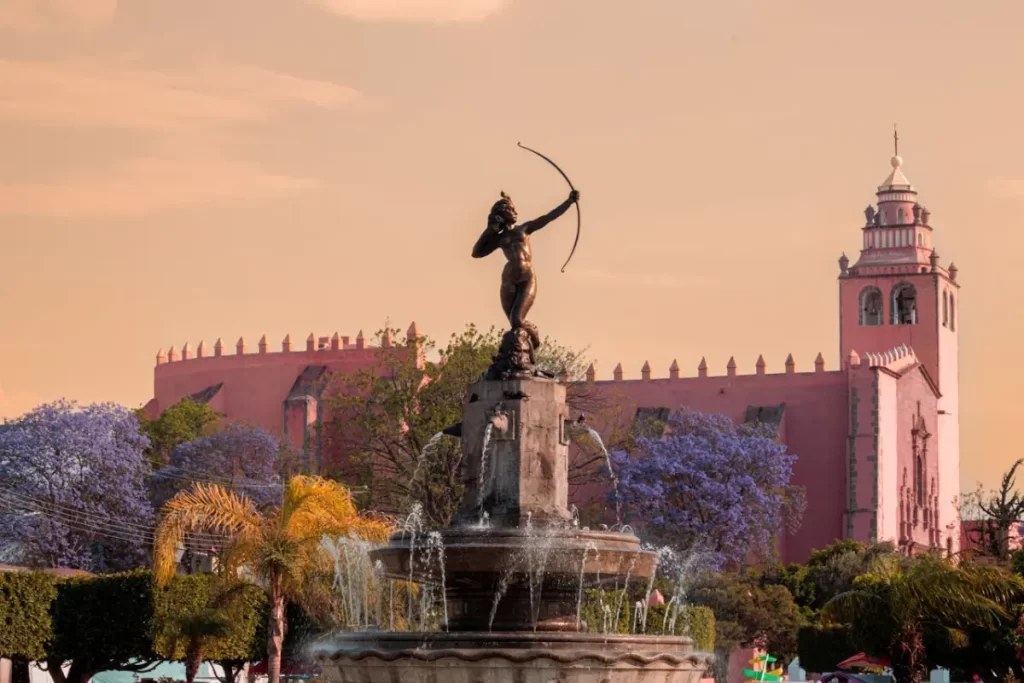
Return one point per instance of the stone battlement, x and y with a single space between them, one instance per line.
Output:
895 360
313 344
760 368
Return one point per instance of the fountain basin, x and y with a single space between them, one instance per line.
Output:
514 579
388 657
495 551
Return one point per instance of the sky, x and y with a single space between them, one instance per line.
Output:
183 170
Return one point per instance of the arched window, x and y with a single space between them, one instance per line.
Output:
899 216
904 304
920 240
945 308
871 306
952 313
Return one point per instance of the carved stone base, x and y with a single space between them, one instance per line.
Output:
509 658
516 355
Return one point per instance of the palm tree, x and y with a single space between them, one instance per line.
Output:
900 602
197 630
279 548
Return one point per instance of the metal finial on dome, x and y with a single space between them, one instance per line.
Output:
896 161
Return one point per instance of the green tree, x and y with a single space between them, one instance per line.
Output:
102 624
384 418
185 421
747 612
898 607
207 617
992 515
25 601
280 547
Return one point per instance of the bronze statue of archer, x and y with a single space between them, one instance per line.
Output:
518 279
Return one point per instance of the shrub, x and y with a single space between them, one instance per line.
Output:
25 623
821 648
243 604
690 620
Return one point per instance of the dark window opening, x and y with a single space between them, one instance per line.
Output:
904 305
871 306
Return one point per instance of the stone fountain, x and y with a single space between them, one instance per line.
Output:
514 564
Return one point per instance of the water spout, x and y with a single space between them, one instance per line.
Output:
611 470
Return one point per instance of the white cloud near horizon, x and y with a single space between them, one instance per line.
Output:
439 11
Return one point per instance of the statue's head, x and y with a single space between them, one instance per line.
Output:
504 212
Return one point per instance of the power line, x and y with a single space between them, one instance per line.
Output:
92 523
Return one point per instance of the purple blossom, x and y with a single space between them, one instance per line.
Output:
709 485
240 457
72 488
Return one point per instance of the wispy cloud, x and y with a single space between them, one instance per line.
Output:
141 186
47 16
121 93
655 281
414 10
181 114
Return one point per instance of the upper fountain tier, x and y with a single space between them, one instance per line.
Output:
514 529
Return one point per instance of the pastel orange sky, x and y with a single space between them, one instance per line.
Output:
182 170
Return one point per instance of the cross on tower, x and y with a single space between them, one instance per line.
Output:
895 141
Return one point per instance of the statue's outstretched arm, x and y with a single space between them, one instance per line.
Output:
538 223
489 241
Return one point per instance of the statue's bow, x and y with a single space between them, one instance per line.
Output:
579 220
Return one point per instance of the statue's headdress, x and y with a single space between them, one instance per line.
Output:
505 210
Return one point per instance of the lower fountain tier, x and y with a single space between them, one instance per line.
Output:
385 657
537 574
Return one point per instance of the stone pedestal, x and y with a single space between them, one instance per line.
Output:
524 473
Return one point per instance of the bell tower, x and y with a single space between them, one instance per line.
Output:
898 294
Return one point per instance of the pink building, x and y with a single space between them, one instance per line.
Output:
280 391
878 438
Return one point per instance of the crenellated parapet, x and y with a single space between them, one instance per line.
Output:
731 370
313 344
895 360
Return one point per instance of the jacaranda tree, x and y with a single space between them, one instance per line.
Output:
72 488
710 485
244 459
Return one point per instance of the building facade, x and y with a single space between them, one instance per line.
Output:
877 438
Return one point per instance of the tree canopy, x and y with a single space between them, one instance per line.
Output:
25 600
386 422
242 458
88 639
898 607
184 421
281 547
709 485
72 487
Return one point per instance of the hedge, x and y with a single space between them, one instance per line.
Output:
25 623
103 623
189 595
694 621
821 648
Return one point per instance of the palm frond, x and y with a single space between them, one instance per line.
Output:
853 606
204 507
315 507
